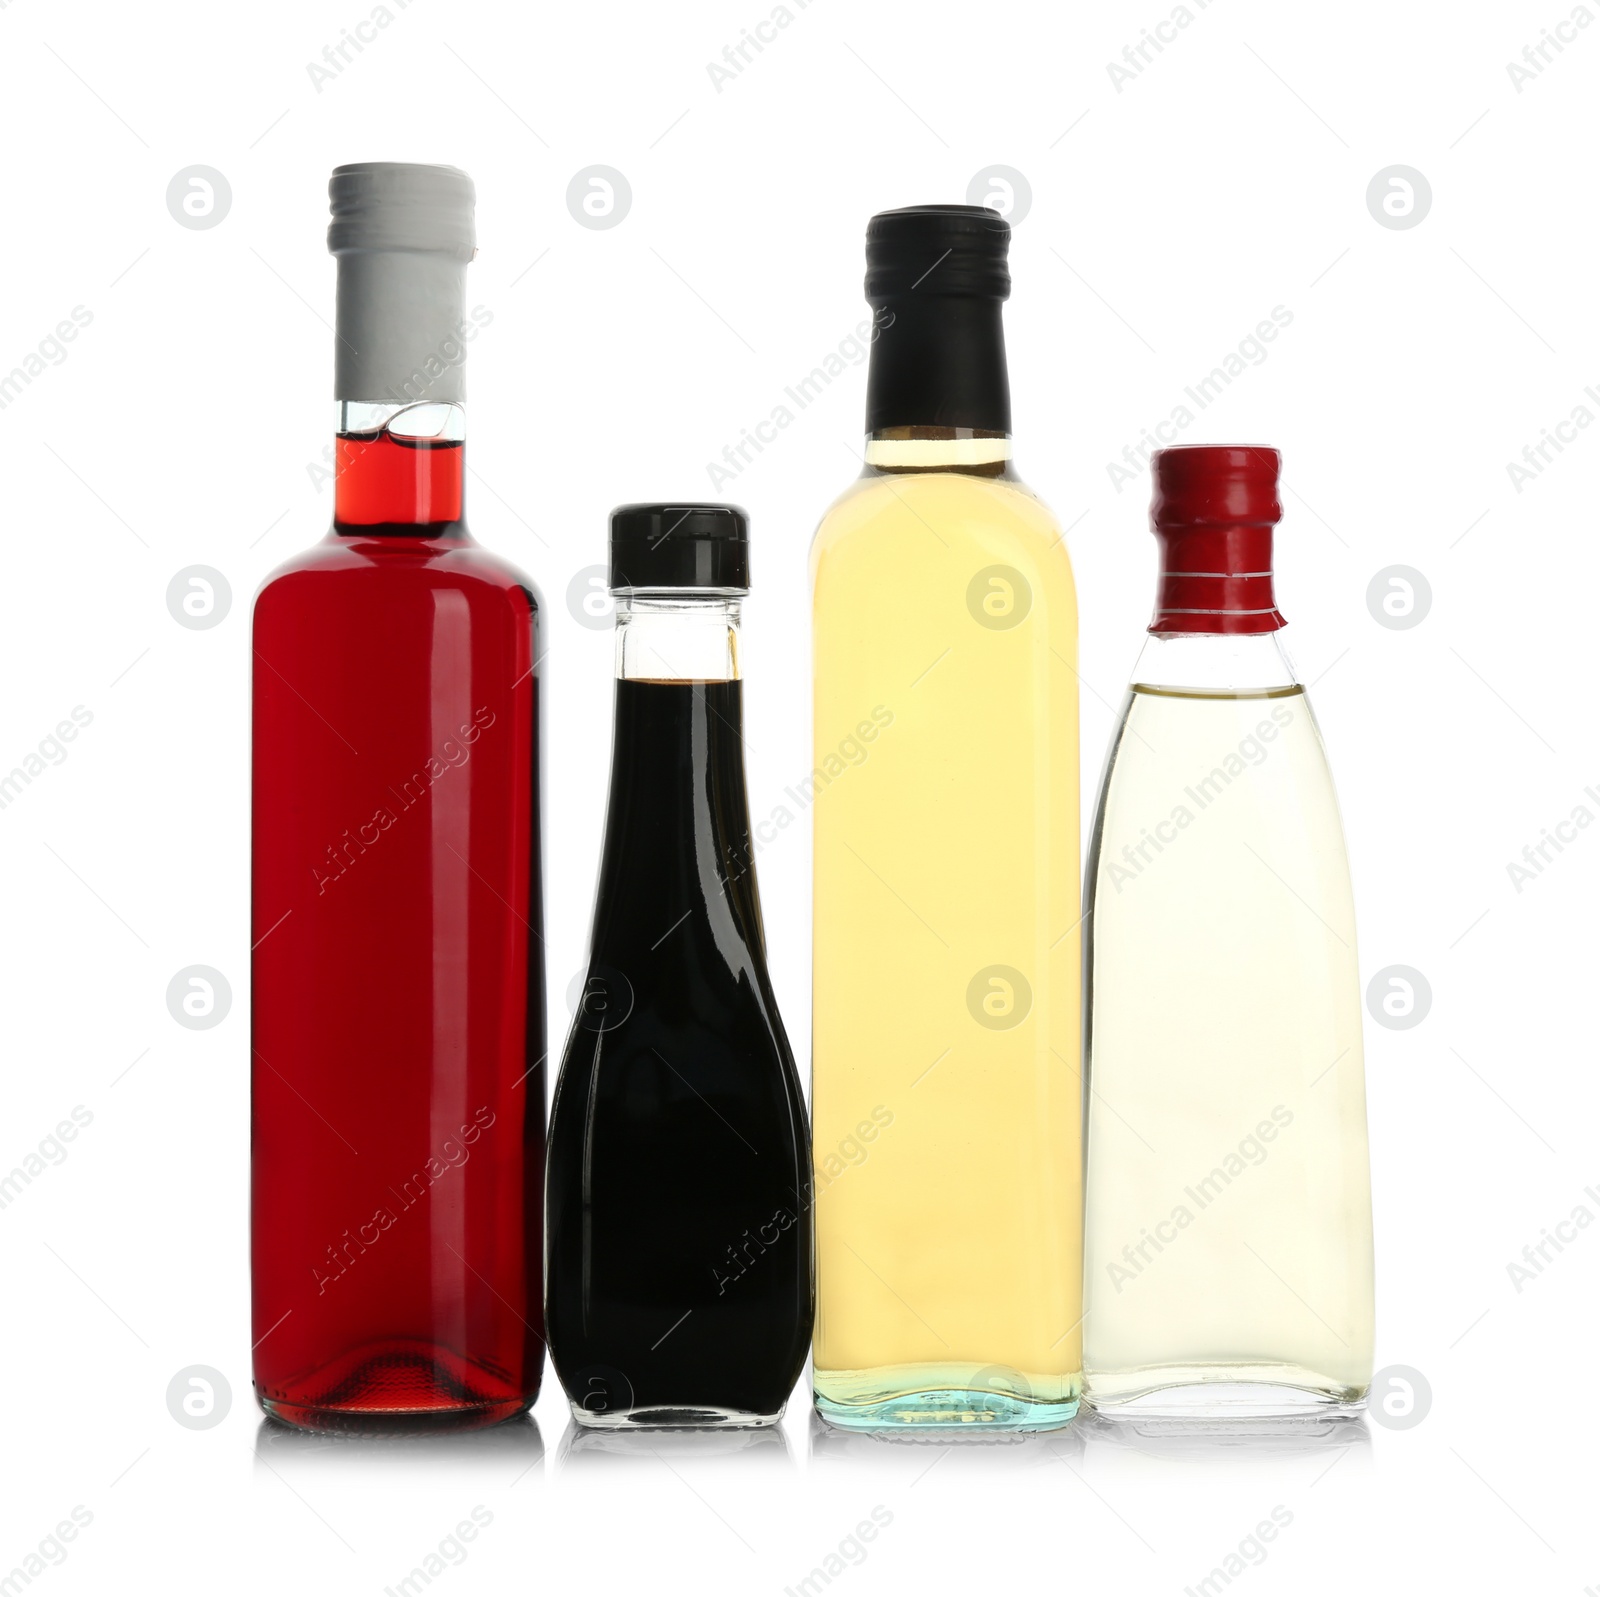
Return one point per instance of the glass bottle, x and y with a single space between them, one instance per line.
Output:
1228 1248
946 965
678 1269
398 1012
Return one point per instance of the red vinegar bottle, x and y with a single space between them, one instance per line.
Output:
397 975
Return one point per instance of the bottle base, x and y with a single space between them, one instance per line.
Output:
935 1398
1220 1392
674 1417
366 1421
395 1388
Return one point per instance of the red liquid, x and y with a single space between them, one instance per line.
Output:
384 480
398 1018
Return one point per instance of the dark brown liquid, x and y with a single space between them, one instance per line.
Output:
679 1269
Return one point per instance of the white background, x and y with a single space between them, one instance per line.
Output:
1169 215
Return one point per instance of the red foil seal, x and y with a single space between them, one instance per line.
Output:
1213 513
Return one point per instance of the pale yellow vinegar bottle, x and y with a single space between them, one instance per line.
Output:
1229 1214
946 957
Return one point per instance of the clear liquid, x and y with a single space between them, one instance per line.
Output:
1228 1250
946 1091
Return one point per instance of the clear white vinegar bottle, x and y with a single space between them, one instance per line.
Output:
1228 1222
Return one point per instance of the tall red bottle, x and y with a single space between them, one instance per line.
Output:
397 974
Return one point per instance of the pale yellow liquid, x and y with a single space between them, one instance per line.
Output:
1228 1212
948 1242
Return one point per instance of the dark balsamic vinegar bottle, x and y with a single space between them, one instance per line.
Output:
397 1016
679 1260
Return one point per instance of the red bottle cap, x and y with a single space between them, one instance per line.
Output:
1213 513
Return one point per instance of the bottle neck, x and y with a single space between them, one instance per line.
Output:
677 637
399 471
400 354
678 823
1215 664
938 373
1216 578
914 449
676 867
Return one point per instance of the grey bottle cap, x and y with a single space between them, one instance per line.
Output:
402 235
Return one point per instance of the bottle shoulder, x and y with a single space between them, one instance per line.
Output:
877 503
899 527
389 562
1182 742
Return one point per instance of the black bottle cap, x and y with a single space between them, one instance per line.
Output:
936 279
680 546
937 250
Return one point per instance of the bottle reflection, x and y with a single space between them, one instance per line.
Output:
947 1449
1211 1441
586 1451
289 1452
